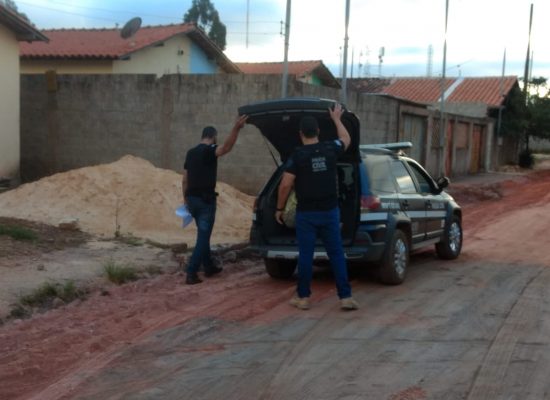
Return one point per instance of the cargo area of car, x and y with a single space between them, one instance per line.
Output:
274 233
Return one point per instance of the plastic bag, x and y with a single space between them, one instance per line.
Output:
289 214
183 212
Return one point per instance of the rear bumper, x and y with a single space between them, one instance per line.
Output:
373 252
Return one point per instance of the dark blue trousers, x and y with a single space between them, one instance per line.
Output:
325 224
204 214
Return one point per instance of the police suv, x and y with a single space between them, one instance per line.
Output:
389 204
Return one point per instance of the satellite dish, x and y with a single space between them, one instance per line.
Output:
130 28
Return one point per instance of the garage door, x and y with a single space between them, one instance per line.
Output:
414 131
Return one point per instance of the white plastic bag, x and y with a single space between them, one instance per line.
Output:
184 213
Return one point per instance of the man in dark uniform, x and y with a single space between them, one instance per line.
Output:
312 171
199 194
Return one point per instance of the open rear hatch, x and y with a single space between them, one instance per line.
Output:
278 121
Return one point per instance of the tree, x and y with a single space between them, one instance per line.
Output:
538 110
205 15
10 4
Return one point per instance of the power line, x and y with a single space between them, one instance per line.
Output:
97 9
115 21
128 12
67 12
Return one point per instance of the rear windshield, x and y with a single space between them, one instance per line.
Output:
380 174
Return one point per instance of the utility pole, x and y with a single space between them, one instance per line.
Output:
247 20
442 121
526 71
344 94
501 92
287 35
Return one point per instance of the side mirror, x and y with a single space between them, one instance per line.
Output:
443 182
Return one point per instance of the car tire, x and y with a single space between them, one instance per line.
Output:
395 261
280 269
450 246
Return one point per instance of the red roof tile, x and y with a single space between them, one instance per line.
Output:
98 43
420 90
108 44
368 85
298 68
485 90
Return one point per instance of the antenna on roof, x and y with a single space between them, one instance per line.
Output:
130 28
429 68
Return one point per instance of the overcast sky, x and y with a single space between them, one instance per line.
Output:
479 31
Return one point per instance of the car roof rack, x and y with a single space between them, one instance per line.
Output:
396 147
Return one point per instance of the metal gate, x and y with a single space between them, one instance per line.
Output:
414 131
475 160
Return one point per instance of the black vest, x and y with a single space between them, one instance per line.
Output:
316 176
201 164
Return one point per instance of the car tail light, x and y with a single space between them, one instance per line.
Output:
370 202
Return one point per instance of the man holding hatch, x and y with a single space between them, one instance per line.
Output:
199 193
311 170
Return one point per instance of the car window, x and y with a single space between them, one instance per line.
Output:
420 178
381 177
403 178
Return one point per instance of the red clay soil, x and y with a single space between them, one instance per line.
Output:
48 355
514 228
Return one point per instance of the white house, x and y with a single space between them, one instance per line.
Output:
163 49
13 29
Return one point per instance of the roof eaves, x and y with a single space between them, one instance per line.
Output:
400 99
212 50
23 30
327 76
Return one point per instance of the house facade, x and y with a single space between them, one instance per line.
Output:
159 50
13 28
465 138
312 72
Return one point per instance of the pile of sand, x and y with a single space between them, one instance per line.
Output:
130 196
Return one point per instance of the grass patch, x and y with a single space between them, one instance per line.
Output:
44 295
129 240
44 298
158 245
19 312
18 232
119 274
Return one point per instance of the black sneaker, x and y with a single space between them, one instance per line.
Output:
213 271
192 279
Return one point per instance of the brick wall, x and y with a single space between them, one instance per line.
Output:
94 119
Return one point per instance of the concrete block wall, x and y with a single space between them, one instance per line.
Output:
94 119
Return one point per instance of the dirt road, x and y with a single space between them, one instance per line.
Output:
474 328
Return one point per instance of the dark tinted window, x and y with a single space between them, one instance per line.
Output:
403 178
421 179
379 170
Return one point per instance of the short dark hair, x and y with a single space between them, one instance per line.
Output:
209 132
309 126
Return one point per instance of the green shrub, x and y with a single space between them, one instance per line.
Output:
44 295
40 296
119 274
18 233
18 311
